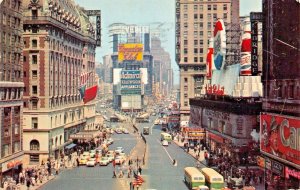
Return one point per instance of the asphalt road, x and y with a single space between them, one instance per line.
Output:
159 172
90 178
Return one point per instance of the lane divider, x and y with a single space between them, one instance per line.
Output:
166 151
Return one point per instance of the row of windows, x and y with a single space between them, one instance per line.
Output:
11 39
209 7
11 21
8 150
11 94
13 4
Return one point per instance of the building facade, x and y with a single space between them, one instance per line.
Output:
194 27
280 120
59 46
163 73
11 88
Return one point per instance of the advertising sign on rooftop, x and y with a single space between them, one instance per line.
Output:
130 52
280 137
130 82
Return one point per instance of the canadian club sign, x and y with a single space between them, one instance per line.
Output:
280 136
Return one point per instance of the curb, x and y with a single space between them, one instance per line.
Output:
39 187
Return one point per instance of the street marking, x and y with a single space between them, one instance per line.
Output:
166 151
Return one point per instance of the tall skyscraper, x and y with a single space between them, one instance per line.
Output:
59 56
11 87
195 21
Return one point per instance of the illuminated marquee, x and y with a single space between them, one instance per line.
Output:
130 52
219 44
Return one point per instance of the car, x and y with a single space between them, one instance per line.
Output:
125 131
119 160
92 153
104 161
91 162
83 161
119 150
86 154
165 143
118 131
110 157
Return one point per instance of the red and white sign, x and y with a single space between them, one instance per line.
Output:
280 136
214 89
210 59
246 49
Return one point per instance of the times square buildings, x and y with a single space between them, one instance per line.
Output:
46 48
263 128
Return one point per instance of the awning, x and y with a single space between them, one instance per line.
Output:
72 145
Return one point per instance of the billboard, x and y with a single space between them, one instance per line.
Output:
144 75
130 82
116 75
219 45
130 52
280 137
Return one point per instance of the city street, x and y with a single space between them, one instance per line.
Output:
94 177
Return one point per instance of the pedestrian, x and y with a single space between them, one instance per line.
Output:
28 182
114 174
77 160
140 170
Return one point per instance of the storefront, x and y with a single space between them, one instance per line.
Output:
10 168
279 137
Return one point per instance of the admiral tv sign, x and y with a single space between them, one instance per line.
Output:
130 52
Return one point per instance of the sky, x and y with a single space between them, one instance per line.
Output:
146 12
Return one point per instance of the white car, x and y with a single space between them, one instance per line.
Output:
92 153
110 141
91 162
165 143
110 157
119 150
119 160
125 131
104 161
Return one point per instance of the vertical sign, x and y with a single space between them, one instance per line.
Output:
177 29
255 17
254 49
98 30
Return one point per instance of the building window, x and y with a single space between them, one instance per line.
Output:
201 42
209 34
215 7
185 7
34 89
5 150
185 16
34 59
195 26
34 145
201 59
185 80
215 16
34 104
201 16
208 7
208 25
201 50
34 73
195 33
195 16
185 50
185 42
34 43
34 123
186 103
6 132
224 15
17 129
24 58
185 25
224 7
195 50
201 25
185 59
195 42
201 33
195 7
34 158
201 7
185 95
195 59
17 147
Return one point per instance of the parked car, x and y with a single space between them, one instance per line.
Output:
125 131
165 143
104 161
92 153
86 155
83 161
119 150
91 162
119 160
110 141
110 157
119 131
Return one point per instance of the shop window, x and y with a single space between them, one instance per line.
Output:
34 158
34 122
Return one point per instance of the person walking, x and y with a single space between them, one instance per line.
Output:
114 174
28 183
140 170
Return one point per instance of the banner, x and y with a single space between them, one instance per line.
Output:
280 137
131 82
130 52
90 94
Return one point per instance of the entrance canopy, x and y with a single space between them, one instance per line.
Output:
85 135
72 145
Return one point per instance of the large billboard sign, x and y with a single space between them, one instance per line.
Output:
130 52
219 44
280 137
130 82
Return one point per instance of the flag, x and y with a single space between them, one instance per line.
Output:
90 94
138 178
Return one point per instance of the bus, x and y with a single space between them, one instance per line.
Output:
214 180
193 178
146 130
165 136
